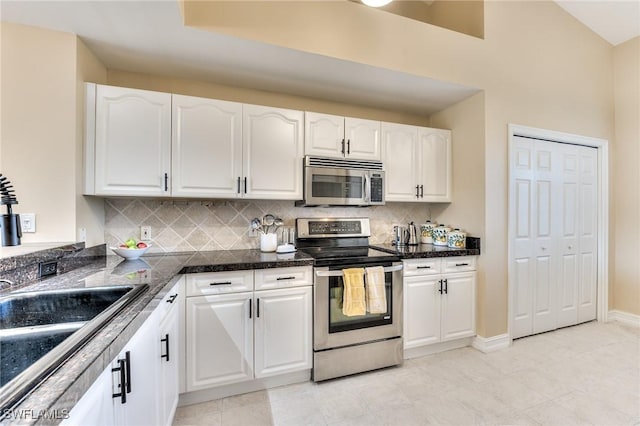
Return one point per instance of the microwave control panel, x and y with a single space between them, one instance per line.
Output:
377 188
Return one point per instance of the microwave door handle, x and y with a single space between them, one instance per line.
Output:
364 188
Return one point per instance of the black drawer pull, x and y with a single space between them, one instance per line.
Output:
166 342
423 267
127 356
462 264
123 378
172 298
285 278
222 283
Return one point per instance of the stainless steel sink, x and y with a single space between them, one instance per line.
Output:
40 330
57 306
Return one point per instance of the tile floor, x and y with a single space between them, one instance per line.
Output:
583 375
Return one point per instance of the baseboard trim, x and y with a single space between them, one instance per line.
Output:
204 395
491 344
435 348
624 318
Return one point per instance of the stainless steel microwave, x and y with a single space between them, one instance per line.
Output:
341 182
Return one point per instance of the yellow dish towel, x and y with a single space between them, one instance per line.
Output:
376 294
353 296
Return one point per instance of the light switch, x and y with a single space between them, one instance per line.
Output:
28 222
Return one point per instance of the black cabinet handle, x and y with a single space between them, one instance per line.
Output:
417 189
342 147
257 308
238 185
440 287
166 182
172 298
421 191
123 378
245 185
462 264
250 308
128 370
348 146
423 267
221 283
446 286
285 278
166 345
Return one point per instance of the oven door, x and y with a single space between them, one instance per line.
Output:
335 186
332 329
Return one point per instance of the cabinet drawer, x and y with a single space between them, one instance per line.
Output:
219 282
421 267
459 264
170 300
283 277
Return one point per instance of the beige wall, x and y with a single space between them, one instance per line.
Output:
39 127
537 65
260 97
90 211
626 178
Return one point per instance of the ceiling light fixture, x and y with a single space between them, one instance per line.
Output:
376 3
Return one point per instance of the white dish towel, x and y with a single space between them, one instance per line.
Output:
376 294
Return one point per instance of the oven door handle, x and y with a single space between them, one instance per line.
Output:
339 273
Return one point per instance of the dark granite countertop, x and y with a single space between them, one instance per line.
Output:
61 390
429 250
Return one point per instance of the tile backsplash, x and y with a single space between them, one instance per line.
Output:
224 225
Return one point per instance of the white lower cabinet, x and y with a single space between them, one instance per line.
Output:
439 300
140 386
241 336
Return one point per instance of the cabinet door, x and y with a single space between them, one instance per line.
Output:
132 142
363 138
272 150
458 306
96 405
435 172
324 135
283 331
168 377
206 147
421 310
141 400
219 340
399 147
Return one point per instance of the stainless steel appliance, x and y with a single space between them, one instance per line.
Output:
341 182
344 345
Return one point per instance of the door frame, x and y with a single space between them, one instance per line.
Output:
602 145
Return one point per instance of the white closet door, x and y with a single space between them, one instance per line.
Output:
545 231
587 234
553 228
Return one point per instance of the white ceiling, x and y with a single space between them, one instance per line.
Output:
148 36
614 20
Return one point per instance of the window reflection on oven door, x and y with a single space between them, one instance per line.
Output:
334 329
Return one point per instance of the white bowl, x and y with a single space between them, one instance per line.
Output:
129 253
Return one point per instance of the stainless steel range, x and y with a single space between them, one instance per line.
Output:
343 344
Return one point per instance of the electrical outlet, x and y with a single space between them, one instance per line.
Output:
47 268
145 233
28 222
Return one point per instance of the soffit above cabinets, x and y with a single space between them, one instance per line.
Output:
149 37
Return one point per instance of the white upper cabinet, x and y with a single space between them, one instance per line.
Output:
399 147
418 163
132 142
436 172
341 137
272 152
206 148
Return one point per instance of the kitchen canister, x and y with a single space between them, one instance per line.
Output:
440 235
456 239
426 232
268 242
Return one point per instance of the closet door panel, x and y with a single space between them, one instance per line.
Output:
588 232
